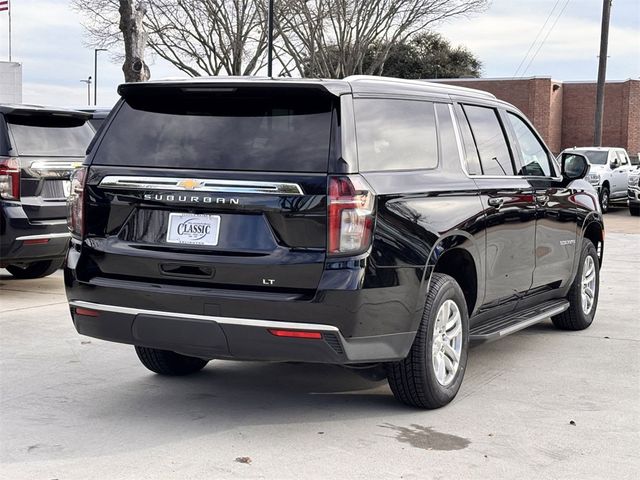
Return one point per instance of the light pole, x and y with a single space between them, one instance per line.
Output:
88 82
270 40
95 73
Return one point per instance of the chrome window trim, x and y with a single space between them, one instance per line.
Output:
47 236
247 322
203 185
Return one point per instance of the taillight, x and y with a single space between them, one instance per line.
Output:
9 178
75 202
351 205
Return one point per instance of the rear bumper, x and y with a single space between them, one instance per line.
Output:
22 240
211 336
358 322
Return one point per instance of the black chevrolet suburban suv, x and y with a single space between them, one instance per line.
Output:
379 224
39 149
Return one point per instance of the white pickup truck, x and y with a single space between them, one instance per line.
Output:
609 173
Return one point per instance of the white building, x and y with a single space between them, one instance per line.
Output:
10 82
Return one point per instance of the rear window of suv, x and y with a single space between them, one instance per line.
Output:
221 132
49 135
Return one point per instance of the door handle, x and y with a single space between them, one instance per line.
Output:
496 202
542 199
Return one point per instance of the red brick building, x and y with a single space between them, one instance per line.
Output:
564 112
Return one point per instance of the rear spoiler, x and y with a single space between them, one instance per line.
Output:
45 111
230 85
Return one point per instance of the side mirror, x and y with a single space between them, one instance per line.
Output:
574 166
615 164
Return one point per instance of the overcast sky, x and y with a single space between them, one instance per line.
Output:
48 40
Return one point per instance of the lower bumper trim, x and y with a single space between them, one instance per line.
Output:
44 236
248 322
209 336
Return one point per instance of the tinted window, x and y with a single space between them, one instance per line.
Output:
224 132
490 141
597 157
49 135
395 135
470 151
448 144
535 160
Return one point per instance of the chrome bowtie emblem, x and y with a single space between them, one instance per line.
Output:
190 184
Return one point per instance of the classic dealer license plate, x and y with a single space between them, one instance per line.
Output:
193 229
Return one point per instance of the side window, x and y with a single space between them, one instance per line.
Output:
472 159
395 134
535 159
448 145
622 158
495 157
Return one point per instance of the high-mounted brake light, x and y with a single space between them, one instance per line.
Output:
350 215
75 202
9 178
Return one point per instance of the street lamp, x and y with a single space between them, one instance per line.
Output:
95 73
88 82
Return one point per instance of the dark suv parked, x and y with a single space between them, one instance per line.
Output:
375 223
39 148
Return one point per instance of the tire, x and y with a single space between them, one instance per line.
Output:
575 317
605 198
40 269
164 362
634 211
414 380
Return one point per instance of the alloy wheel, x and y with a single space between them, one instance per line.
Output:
447 343
588 284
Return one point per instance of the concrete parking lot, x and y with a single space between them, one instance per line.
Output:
539 404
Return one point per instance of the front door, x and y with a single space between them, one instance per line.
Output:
556 213
509 206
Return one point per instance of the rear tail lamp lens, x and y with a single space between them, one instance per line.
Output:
350 215
9 178
75 202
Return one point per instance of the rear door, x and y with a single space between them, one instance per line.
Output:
213 188
48 146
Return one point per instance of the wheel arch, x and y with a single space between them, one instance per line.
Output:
457 254
593 230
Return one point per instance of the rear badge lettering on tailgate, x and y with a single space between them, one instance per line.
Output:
161 197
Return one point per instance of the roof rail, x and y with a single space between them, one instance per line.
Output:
428 86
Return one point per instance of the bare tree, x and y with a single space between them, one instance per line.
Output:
326 38
135 40
199 37
333 38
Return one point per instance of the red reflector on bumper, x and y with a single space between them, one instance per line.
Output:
295 334
38 241
86 312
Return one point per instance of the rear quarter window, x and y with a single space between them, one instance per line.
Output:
395 134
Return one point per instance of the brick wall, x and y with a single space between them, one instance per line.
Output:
564 113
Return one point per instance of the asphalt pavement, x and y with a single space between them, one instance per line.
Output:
540 404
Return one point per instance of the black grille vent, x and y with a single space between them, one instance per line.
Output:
334 342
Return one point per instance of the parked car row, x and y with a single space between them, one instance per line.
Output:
379 224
